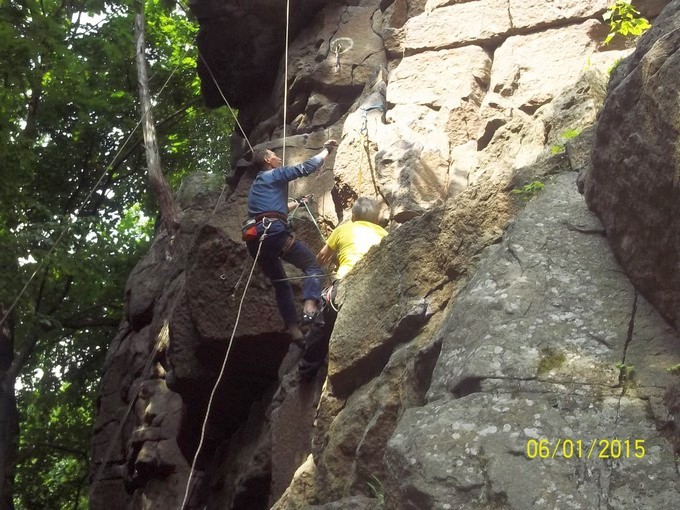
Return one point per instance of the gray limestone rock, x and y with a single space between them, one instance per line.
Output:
353 503
411 178
567 350
482 451
458 129
633 186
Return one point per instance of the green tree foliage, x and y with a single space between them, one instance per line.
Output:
624 20
67 105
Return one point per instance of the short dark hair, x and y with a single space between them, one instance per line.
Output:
259 155
365 209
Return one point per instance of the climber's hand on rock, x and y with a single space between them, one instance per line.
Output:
330 145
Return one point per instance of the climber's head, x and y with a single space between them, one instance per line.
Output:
265 159
365 209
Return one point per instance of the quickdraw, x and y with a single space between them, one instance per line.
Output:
313 220
365 143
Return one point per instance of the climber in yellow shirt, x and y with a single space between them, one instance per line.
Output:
352 240
348 243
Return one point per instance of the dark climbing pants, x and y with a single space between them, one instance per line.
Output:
317 338
270 262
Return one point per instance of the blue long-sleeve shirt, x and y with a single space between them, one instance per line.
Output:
269 191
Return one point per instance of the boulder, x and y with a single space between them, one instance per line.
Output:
411 179
539 13
633 185
449 26
529 70
566 354
459 73
481 450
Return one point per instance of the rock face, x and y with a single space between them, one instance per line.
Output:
568 352
492 315
240 57
635 183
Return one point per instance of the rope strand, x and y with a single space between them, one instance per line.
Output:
285 83
224 364
69 224
225 101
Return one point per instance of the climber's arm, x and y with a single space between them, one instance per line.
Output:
325 256
290 173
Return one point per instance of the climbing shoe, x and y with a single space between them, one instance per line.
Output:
307 319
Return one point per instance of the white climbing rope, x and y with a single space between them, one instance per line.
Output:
219 89
266 223
285 84
69 224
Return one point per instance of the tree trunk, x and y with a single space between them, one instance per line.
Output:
9 423
169 209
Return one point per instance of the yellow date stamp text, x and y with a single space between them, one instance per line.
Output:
585 448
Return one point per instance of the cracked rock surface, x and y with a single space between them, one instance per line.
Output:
567 351
634 186
442 108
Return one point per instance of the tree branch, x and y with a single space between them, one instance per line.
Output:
169 209
159 124
22 356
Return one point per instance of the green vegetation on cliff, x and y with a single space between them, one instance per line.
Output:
74 210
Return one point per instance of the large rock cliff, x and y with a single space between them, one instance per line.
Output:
492 323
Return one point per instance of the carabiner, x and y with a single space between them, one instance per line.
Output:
266 223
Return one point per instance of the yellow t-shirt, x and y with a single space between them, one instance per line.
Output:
351 241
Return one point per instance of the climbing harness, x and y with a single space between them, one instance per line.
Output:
266 223
249 230
249 233
249 227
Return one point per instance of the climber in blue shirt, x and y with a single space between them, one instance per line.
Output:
268 205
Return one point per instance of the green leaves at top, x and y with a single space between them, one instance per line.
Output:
624 20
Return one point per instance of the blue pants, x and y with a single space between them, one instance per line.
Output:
270 262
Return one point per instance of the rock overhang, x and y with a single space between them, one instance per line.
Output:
241 45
